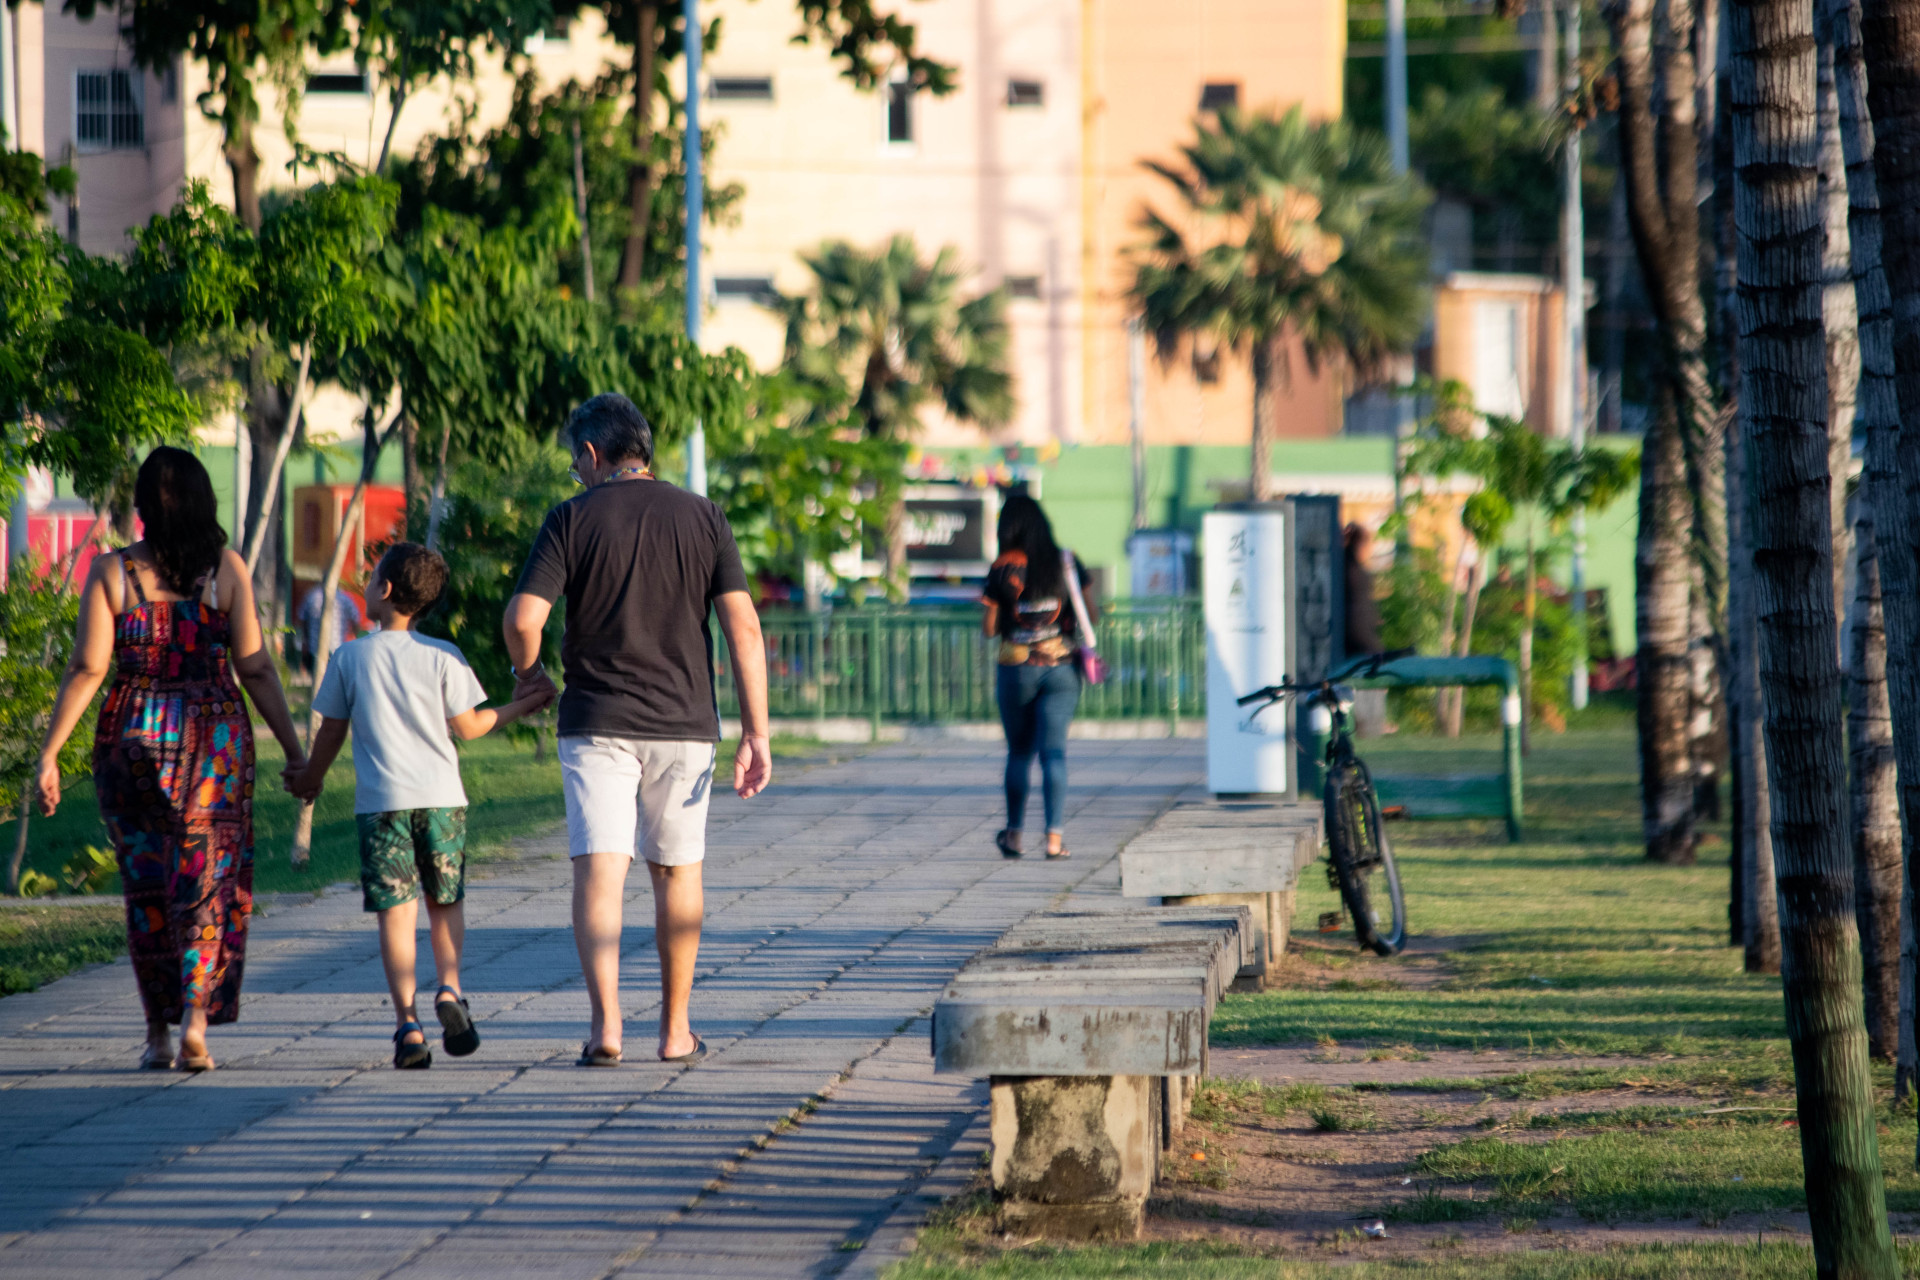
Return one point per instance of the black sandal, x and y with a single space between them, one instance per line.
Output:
1007 848
592 1057
459 1036
411 1057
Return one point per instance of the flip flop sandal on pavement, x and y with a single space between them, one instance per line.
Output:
460 1037
411 1057
1061 852
1007 848
194 1062
153 1060
696 1054
591 1057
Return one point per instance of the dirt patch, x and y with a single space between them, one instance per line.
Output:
1335 1065
1332 961
1295 1187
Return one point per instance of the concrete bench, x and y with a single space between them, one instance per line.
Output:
1092 1027
1228 853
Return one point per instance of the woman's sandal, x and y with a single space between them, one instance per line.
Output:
152 1059
194 1062
1061 852
411 1057
1007 848
459 1036
592 1057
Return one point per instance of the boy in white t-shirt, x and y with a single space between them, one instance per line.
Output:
407 696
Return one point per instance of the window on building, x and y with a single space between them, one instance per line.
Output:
1026 93
337 82
1219 95
170 84
740 88
900 113
743 288
106 108
560 29
1023 286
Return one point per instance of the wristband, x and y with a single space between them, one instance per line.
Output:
518 674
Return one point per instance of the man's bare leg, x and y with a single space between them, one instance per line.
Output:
679 906
599 887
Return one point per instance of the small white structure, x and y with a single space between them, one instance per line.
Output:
1248 597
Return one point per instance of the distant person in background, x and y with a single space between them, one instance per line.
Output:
1030 610
1363 629
346 624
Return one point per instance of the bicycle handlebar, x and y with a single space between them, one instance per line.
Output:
1369 663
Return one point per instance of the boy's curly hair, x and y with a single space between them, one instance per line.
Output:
415 577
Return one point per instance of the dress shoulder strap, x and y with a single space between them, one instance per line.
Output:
130 577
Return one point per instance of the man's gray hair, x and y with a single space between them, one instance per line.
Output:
613 426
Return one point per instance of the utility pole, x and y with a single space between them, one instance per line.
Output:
9 79
697 441
1573 314
1402 161
1137 415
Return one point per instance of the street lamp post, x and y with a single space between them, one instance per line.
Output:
690 145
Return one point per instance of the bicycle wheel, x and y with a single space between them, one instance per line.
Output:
1357 847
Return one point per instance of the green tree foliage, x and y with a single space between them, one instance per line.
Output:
888 336
38 612
1288 229
1501 160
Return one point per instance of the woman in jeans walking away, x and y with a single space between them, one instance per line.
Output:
1030 609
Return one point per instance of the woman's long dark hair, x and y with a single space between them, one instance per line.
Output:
1024 527
174 497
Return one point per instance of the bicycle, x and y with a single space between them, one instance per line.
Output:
1356 839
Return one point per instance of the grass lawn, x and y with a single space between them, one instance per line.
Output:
1669 1110
509 795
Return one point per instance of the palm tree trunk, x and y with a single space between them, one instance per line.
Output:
1783 407
1841 316
1529 613
1756 908
1875 804
633 254
1660 603
1888 380
1706 709
1266 358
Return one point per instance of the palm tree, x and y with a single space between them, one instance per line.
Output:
1300 231
892 334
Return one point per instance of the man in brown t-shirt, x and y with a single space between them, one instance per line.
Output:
638 562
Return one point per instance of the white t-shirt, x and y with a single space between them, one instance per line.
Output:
399 688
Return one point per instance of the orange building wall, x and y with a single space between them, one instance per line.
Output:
1145 63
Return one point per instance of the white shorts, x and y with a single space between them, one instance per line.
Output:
671 781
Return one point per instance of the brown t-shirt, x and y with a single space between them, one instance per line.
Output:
639 562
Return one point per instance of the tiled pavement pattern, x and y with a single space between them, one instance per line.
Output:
838 902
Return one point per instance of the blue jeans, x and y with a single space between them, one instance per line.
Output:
1036 705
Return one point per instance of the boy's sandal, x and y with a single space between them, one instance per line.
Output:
411 1057
459 1036
151 1059
1002 840
592 1057
696 1054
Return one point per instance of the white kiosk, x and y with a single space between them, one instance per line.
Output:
1248 597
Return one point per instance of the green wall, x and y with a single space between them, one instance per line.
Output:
1088 490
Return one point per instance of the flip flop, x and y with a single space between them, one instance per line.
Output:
411 1057
194 1062
153 1061
696 1054
1063 852
1007 848
459 1037
591 1057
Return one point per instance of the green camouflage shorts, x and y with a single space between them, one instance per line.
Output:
405 849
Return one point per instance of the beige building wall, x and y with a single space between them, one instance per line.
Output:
1500 336
998 183
1150 62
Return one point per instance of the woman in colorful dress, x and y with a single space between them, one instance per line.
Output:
173 616
1031 611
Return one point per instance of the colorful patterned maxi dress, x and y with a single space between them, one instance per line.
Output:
173 765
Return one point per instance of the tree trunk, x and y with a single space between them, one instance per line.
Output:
398 100
1890 374
22 818
1706 711
1457 700
1875 804
1449 617
244 164
1265 362
1529 614
1660 664
1783 417
409 472
1756 904
640 174
280 439
372 445
437 503
1841 319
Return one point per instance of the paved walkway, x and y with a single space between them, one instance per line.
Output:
838 903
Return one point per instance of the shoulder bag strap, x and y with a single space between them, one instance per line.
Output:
1071 572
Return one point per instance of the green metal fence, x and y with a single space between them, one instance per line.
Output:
934 665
